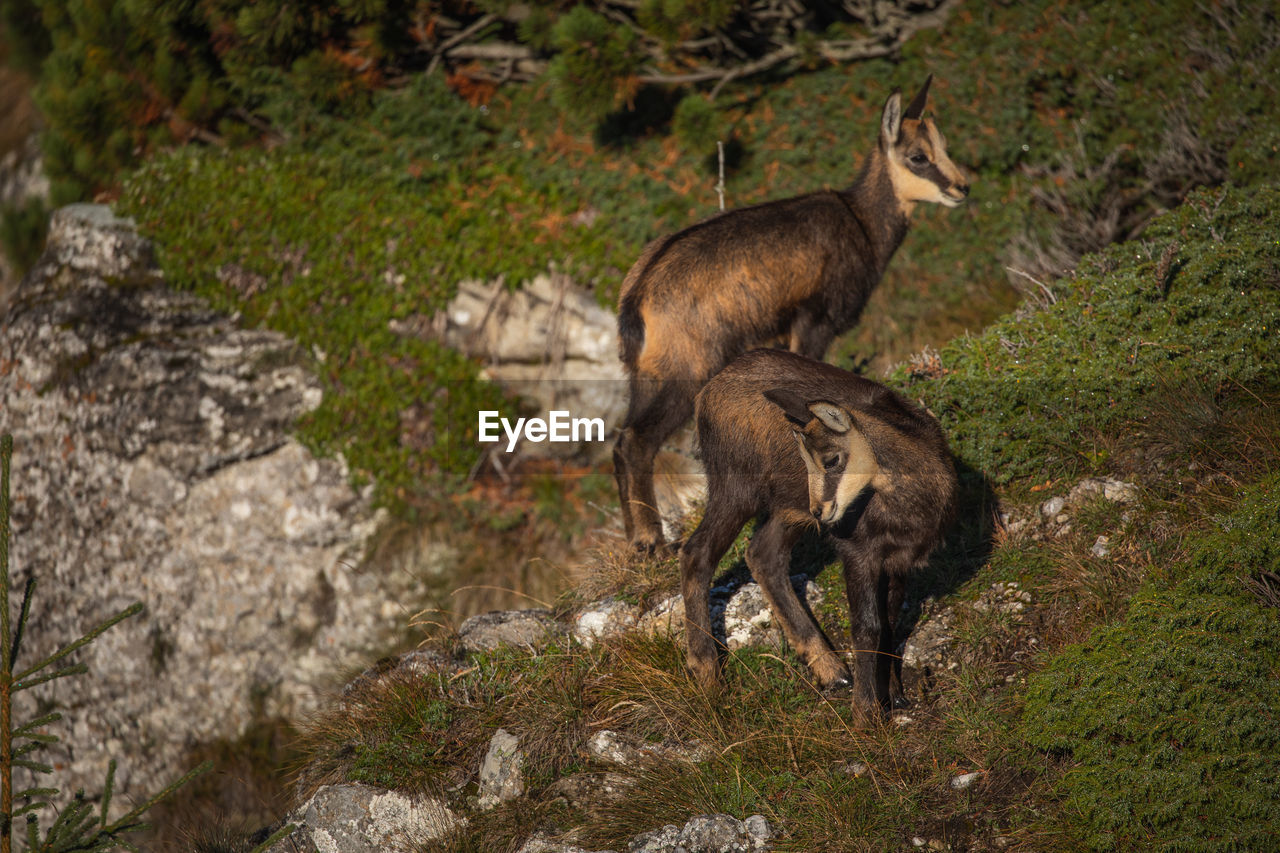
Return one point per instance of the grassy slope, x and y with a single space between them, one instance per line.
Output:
1132 705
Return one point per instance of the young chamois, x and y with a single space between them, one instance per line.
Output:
796 271
797 444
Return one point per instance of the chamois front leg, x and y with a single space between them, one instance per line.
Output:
893 613
769 558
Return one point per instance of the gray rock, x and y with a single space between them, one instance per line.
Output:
153 463
525 628
604 619
609 747
740 615
1116 491
363 819
605 745
664 840
90 238
748 619
707 834
548 341
501 772
1053 506
964 781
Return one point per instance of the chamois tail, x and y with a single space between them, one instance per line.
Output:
630 329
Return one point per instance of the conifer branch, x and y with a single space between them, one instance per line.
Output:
74 669
22 731
27 593
34 805
92 635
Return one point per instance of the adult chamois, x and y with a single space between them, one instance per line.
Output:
796 271
797 444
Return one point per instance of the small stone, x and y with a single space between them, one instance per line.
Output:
522 628
606 746
1101 547
1119 491
964 780
602 619
1052 507
501 772
758 828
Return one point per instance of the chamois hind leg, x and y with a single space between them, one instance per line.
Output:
656 409
769 558
810 336
698 560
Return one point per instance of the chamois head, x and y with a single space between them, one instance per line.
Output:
835 451
916 154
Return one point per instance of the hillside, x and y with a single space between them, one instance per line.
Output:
1093 651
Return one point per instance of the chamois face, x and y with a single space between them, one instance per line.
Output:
836 454
916 154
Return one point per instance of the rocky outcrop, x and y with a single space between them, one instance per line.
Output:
153 462
548 342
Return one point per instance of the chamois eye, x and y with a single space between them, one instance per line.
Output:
831 462
918 159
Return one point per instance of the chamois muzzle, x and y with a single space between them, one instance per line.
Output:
955 195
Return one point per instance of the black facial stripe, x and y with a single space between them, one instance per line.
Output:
831 482
931 173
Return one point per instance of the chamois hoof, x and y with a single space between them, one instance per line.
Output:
839 688
652 548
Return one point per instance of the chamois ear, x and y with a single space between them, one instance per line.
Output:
916 108
891 120
792 404
833 417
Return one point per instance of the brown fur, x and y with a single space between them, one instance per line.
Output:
796 271
756 470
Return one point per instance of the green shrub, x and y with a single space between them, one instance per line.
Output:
1170 720
595 63
698 125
